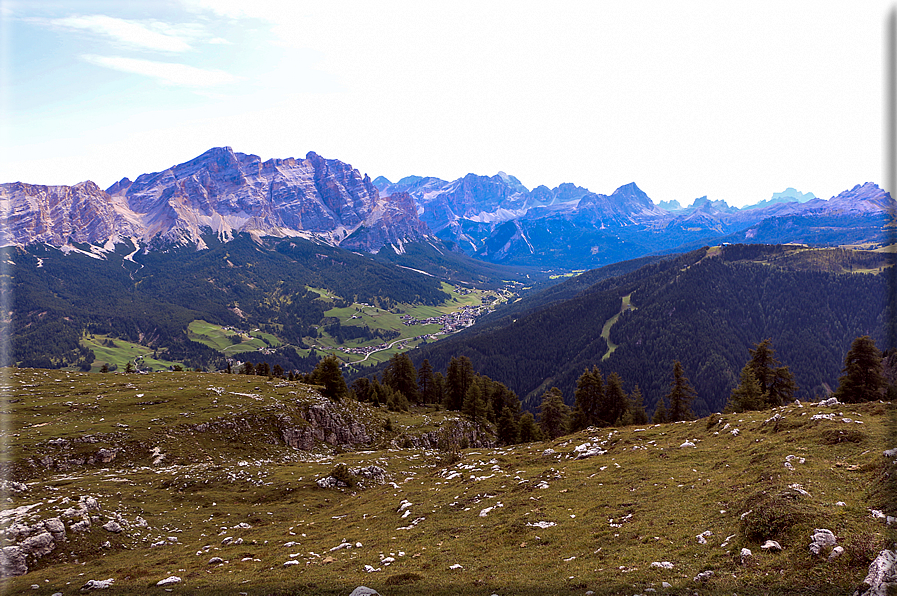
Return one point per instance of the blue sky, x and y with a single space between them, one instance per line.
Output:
733 101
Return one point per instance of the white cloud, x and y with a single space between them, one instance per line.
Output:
153 35
168 73
220 41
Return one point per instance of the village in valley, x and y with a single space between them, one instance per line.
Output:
469 305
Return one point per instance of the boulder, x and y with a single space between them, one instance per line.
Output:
12 561
882 575
821 539
364 591
38 545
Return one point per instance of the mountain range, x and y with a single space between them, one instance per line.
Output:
222 192
495 219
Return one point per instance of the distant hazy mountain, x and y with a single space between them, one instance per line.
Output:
790 195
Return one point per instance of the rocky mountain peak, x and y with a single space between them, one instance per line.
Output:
222 192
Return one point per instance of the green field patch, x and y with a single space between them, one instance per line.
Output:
116 353
605 331
230 341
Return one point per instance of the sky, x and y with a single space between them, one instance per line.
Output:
734 101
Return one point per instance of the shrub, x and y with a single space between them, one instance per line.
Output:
342 473
771 514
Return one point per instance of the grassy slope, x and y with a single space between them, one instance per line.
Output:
644 500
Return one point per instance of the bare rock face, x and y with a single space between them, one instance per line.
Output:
59 214
327 424
222 192
456 434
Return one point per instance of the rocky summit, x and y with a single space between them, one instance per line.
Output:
220 192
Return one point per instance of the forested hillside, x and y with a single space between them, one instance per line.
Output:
151 298
706 309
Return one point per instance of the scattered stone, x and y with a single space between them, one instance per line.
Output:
662 564
832 401
456 566
665 585
112 526
882 575
746 554
371 568
216 560
771 545
288 563
702 537
687 444
821 539
98 584
703 576
364 591
549 452
836 552
168 581
541 524
840 504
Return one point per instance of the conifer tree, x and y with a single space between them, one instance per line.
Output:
459 376
615 403
863 379
588 395
637 414
474 405
776 382
507 427
748 395
401 376
427 384
660 412
554 414
529 430
681 395
327 373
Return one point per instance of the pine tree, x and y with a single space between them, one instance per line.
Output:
588 395
660 412
681 395
529 430
748 395
400 375
459 376
507 427
615 403
776 382
427 384
327 373
129 367
863 379
474 405
637 414
554 414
